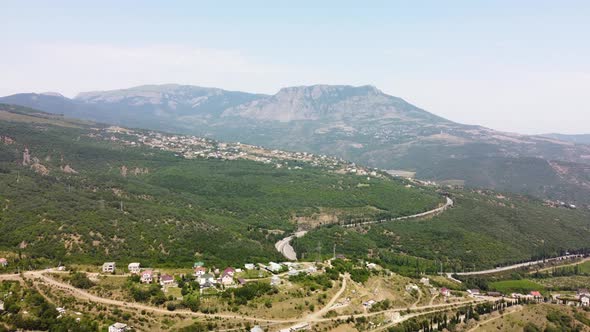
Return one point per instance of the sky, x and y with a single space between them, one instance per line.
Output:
520 66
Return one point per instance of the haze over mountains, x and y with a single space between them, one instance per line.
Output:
361 124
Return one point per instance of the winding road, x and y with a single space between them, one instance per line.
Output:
514 266
286 249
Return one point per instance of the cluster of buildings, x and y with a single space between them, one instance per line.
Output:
191 147
580 299
146 276
558 204
214 277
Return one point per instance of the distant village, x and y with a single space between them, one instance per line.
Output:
191 147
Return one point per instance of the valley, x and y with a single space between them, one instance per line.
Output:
368 246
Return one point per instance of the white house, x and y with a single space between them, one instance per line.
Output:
166 280
199 271
206 279
473 292
274 267
249 266
229 271
227 279
147 276
118 327
108 267
133 268
425 281
585 300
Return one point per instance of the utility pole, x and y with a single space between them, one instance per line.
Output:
121 205
17 176
319 252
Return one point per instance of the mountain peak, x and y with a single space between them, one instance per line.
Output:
53 94
317 91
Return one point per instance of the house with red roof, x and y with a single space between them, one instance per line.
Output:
229 270
227 278
166 280
3 262
147 276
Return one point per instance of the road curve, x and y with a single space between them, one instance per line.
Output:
449 203
284 245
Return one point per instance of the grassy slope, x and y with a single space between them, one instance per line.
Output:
217 211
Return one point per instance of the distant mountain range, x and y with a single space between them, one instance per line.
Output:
361 124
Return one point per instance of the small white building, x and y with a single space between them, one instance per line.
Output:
585 300
425 281
274 267
206 278
147 277
249 266
199 271
118 327
227 279
134 268
166 280
108 267
473 292
256 328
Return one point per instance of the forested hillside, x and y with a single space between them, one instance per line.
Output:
71 191
484 229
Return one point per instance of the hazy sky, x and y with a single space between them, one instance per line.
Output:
519 66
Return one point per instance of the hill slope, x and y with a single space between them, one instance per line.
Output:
361 124
84 192
484 229
580 139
